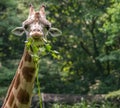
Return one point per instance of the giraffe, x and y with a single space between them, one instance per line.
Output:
36 27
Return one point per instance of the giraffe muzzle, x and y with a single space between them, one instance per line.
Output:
36 34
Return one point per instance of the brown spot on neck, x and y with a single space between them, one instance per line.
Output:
28 57
23 96
28 73
15 106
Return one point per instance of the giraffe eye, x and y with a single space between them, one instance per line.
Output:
26 27
47 27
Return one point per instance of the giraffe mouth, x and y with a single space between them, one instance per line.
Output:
36 35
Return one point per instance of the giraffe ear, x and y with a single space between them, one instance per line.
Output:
31 10
55 32
19 31
42 11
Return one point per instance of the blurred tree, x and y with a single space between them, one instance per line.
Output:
8 21
81 43
88 48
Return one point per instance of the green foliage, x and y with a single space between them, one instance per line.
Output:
113 95
88 59
9 20
6 75
84 104
101 86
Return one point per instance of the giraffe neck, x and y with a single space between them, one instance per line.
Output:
20 91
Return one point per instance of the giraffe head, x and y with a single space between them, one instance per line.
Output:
36 26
